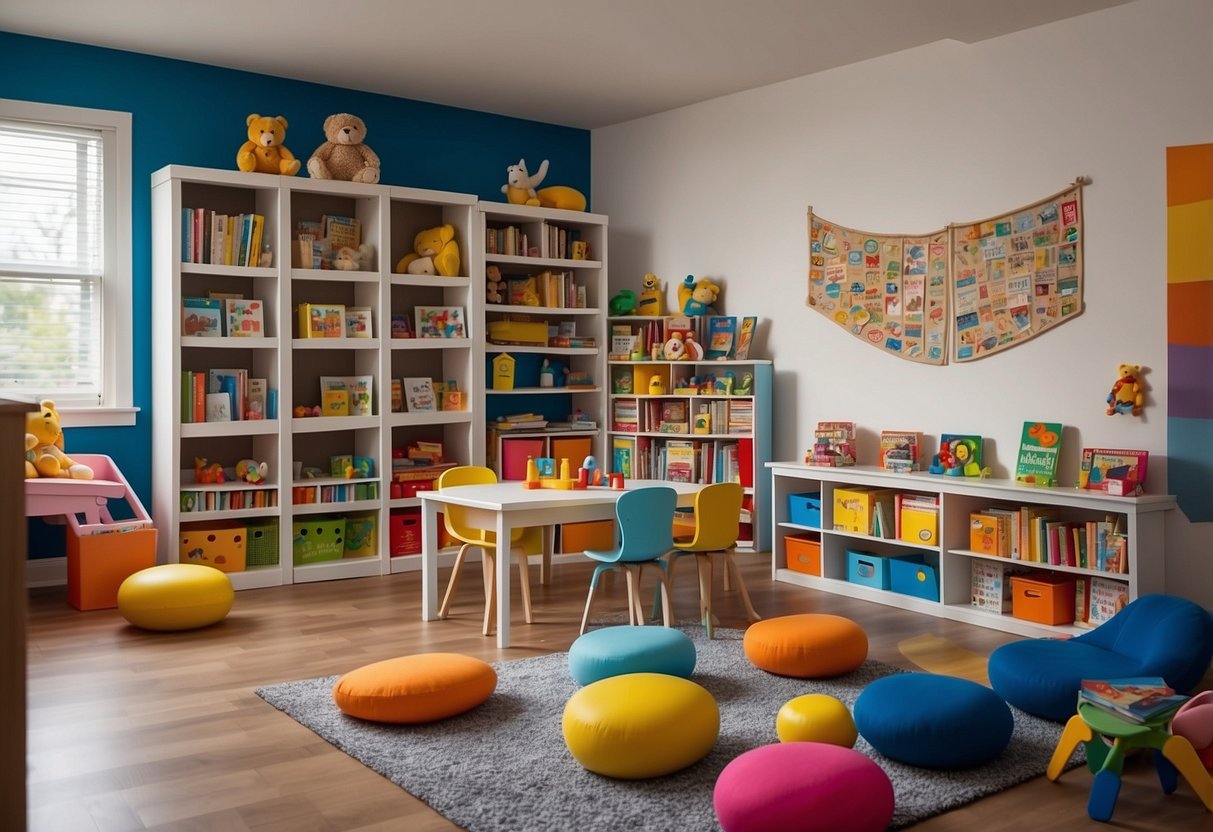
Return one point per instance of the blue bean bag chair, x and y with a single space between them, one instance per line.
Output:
1156 635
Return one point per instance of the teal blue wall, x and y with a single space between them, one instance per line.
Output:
193 114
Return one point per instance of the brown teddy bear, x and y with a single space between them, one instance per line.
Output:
344 156
264 152
495 290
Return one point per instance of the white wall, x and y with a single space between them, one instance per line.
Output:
908 143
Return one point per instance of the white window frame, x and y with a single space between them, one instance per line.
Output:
117 405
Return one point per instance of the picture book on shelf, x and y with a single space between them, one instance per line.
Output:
899 450
722 330
245 317
358 322
440 322
321 320
357 390
1115 470
1039 449
833 445
255 404
202 317
745 337
419 395
218 407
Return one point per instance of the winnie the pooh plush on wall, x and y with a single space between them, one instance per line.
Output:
434 252
44 456
344 156
1128 392
264 151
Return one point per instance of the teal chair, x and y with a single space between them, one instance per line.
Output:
643 534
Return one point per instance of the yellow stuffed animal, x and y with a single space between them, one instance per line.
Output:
520 189
44 456
1128 392
264 151
434 252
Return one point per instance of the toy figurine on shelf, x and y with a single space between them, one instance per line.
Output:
208 473
656 385
649 303
1128 392
547 376
959 456
623 303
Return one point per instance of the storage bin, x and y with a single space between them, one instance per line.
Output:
803 554
518 332
261 545
404 532
317 539
914 576
97 564
221 545
871 569
361 536
577 537
805 509
1043 597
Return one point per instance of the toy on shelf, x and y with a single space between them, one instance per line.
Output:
522 188
264 151
959 456
547 376
694 348
649 303
435 252
542 473
746 386
656 385
675 348
343 155
1128 391
352 259
252 471
495 286
696 297
44 456
589 473
207 473
303 411
623 303
833 445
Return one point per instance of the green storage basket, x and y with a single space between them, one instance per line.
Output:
318 539
261 548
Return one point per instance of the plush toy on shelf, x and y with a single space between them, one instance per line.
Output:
495 288
44 456
264 151
695 297
1128 392
343 155
649 303
208 472
623 303
434 252
353 259
522 188
252 471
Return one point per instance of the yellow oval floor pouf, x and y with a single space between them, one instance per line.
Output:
421 688
816 717
176 596
640 725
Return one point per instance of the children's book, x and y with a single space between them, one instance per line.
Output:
255 404
401 328
397 396
245 318
833 445
357 392
440 322
419 395
899 450
1039 449
745 337
722 330
1101 467
218 407
342 231
358 322
321 320
1135 699
623 452
202 317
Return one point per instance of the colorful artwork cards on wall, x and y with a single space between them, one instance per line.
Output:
1016 275
888 290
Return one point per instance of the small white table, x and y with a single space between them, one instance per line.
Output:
503 506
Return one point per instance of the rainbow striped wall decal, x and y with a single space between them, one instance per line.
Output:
1190 329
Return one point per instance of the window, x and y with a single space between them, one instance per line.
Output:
65 252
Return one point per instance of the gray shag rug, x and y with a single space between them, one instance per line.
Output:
505 766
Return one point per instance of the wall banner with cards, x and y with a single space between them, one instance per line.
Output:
964 292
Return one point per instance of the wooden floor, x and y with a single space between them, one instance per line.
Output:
135 730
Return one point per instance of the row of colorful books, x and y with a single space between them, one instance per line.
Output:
211 237
193 501
224 395
684 460
1136 699
1036 534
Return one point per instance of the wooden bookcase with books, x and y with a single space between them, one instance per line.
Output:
935 561
308 375
696 420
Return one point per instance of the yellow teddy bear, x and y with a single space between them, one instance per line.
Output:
434 252
264 152
1128 391
44 456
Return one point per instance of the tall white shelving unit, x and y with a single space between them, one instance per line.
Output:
390 218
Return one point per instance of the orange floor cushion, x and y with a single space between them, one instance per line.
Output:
808 646
420 688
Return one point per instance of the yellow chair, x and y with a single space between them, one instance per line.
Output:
485 541
717 521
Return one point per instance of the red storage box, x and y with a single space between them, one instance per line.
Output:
1043 597
404 532
803 554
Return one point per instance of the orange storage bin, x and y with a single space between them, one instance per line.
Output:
98 563
1046 598
577 537
221 546
803 554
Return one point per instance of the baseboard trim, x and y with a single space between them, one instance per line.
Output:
45 572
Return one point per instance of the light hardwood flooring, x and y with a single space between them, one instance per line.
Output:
134 730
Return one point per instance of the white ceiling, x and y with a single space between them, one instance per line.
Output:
580 63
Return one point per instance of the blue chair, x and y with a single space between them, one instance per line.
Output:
643 534
1156 635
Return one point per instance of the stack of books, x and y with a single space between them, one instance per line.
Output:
1136 699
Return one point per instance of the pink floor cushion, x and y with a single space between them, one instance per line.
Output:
806 786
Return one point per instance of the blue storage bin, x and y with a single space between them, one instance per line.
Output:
873 570
914 576
805 509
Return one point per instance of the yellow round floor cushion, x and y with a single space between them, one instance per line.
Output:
640 725
176 596
806 646
420 688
